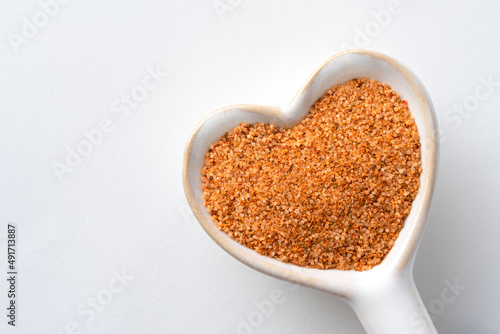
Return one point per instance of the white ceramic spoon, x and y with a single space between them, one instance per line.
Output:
384 298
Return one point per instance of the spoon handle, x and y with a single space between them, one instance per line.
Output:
394 308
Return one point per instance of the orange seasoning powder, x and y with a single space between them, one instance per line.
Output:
330 193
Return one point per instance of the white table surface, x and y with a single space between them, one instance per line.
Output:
107 244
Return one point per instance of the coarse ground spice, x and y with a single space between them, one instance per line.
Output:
330 193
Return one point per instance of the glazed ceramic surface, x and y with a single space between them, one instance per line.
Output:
384 298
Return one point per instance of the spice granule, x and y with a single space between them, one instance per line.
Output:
330 193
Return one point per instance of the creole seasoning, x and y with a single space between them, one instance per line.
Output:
330 193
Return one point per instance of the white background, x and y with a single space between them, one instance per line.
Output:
122 208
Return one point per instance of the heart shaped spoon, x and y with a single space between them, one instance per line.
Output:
384 298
